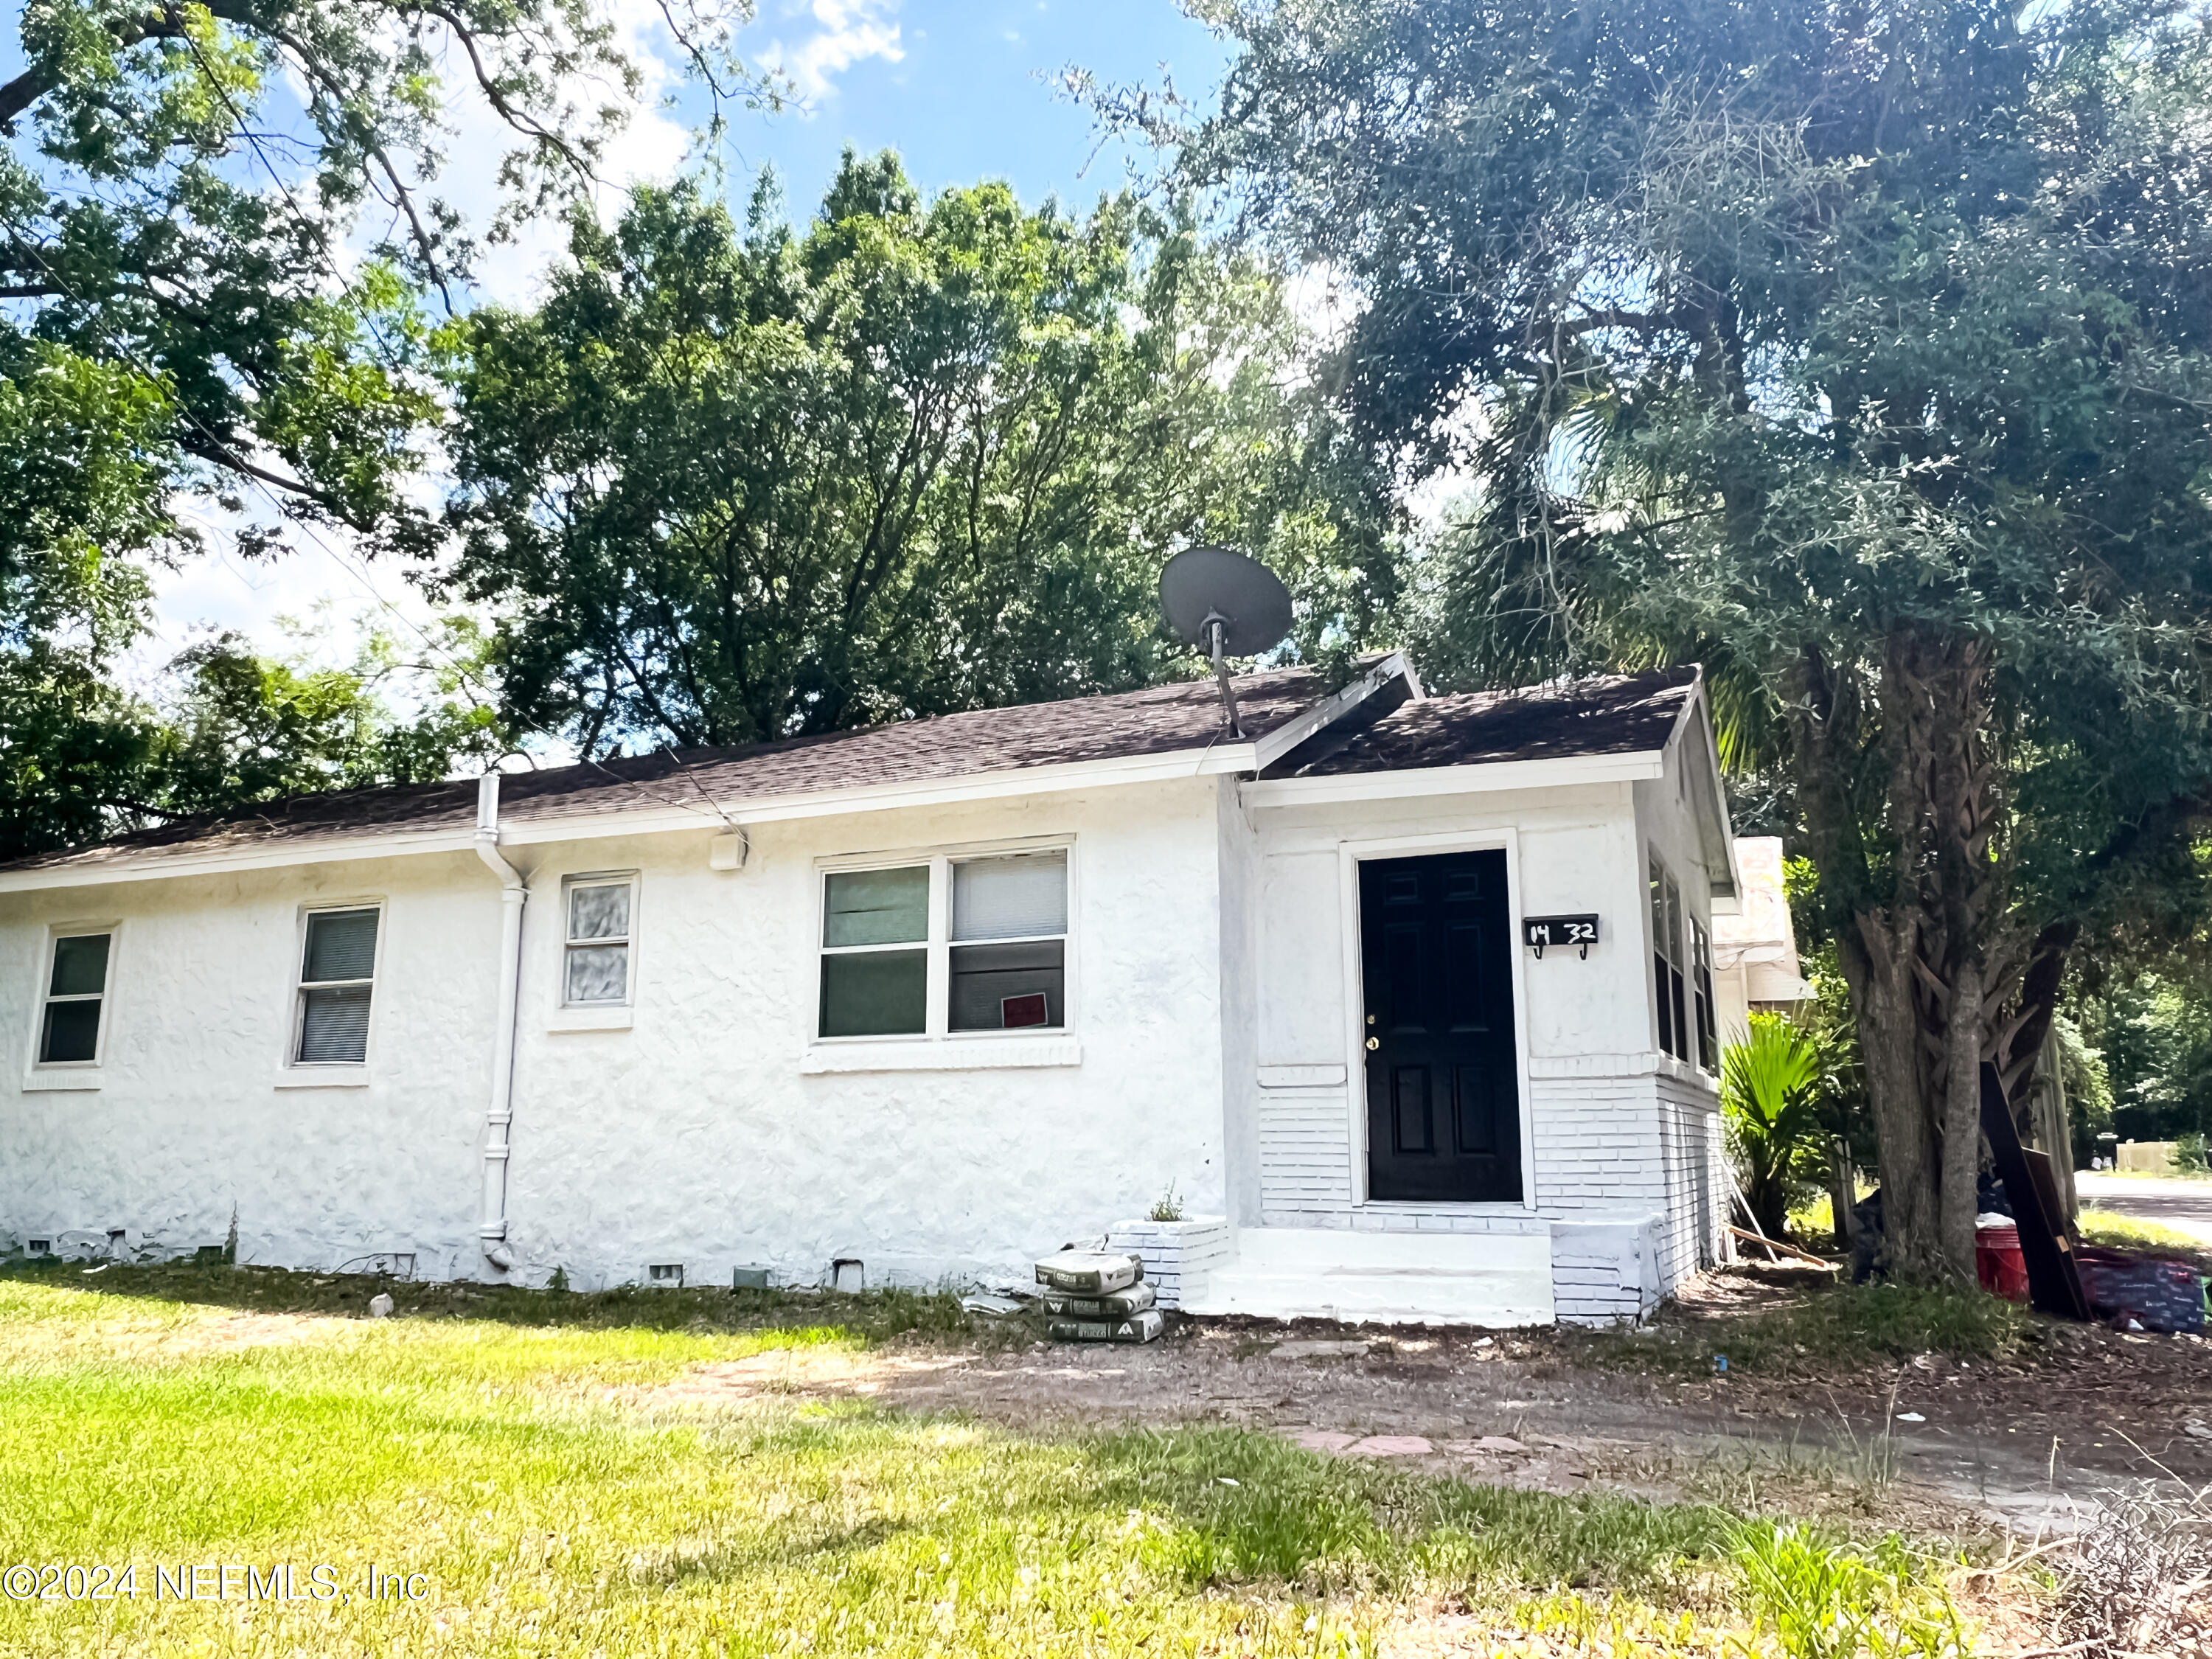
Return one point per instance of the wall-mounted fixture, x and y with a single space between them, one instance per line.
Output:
1572 932
729 850
666 1275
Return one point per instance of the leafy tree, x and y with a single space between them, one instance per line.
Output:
1768 1086
737 483
244 727
186 337
1859 352
79 489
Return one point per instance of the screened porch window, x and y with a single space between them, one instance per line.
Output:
1667 967
1701 987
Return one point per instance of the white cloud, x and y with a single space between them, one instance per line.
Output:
848 32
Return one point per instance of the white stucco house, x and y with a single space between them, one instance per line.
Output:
1755 966
921 1002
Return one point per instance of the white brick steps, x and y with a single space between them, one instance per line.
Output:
1495 1279
1178 1255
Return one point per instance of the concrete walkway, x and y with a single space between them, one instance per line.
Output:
2186 1205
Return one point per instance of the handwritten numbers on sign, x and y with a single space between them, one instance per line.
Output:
1576 932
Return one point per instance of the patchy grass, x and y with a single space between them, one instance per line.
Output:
1841 1326
874 1315
2126 1232
512 1467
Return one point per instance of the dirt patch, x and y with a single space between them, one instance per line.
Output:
2018 1443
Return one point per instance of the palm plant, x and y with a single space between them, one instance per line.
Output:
1767 1089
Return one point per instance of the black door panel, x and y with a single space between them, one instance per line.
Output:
1443 1117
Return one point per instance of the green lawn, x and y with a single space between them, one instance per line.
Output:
549 1506
2126 1232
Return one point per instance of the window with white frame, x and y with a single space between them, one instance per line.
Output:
952 945
1701 991
595 971
1666 964
76 994
338 978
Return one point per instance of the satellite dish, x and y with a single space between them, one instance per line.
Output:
1227 606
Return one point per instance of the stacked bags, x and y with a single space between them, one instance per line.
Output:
1098 1296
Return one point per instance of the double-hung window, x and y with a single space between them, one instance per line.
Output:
76 994
950 946
595 971
338 979
1667 967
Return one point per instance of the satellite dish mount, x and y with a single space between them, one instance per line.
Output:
1227 606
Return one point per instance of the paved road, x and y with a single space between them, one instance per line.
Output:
2184 1206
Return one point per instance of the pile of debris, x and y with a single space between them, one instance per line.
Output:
1098 1296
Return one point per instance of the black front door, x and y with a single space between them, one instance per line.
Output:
1443 1115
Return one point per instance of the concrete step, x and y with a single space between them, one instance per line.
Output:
1437 1278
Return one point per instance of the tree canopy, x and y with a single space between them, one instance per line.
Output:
730 481
223 257
1859 352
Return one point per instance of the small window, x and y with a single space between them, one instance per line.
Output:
1019 978
596 971
1668 974
337 972
1701 987
76 991
875 952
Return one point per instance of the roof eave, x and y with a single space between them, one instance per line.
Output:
161 864
520 827
1478 777
1694 726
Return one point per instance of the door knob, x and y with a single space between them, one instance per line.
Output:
1374 1043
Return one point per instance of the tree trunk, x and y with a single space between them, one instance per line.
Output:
1968 897
1922 924
1877 947
1905 1150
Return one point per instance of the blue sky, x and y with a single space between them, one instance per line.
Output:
963 91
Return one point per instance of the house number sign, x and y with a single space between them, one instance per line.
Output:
1537 932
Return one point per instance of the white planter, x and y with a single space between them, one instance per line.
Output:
1178 1255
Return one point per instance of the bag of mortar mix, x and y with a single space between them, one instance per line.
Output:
1090 1272
1114 1304
1140 1328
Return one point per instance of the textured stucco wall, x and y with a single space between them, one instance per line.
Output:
189 1122
693 1135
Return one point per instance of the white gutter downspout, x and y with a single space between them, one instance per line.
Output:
492 1230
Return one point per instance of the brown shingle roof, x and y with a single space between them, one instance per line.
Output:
1160 720
1616 714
